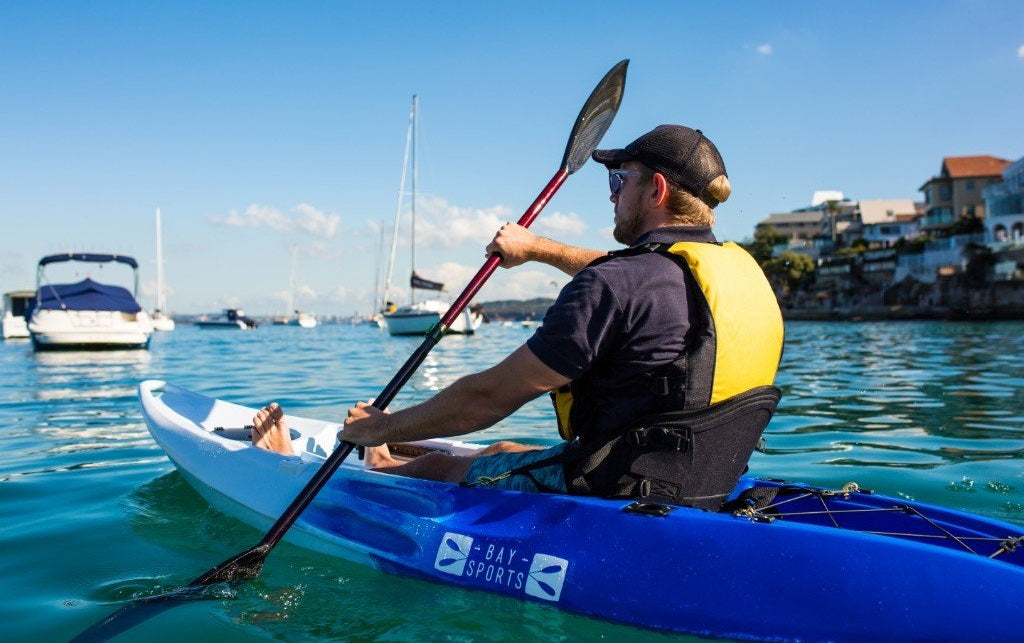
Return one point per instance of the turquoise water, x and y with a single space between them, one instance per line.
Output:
93 513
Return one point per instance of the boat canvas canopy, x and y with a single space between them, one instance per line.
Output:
88 256
87 295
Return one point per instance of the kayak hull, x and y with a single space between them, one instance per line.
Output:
692 571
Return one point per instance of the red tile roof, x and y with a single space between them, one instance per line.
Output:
958 167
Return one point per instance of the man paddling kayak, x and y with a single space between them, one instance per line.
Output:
644 351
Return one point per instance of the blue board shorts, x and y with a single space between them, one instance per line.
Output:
490 471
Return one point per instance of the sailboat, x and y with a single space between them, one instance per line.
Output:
294 317
160 319
417 318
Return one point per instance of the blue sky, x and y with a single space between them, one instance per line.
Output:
260 125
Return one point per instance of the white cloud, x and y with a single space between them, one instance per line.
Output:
1020 51
561 224
316 222
306 219
765 49
340 293
320 251
439 222
306 293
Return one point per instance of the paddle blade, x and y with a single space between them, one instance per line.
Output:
239 567
595 118
141 610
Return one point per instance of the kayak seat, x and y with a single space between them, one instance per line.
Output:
692 458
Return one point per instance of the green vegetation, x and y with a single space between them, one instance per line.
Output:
790 269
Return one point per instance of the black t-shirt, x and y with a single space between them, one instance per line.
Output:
622 317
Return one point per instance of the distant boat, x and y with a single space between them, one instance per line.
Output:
161 320
418 318
87 314
231 319
17 304
305 320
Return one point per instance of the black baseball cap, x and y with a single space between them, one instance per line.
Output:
685 156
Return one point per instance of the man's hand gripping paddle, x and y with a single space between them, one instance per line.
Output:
593 121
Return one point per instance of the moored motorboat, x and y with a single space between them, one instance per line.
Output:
230 319
87 314
784 562
16 306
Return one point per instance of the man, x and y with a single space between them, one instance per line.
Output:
627 321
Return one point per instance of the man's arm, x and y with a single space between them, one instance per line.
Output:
517 245
469 404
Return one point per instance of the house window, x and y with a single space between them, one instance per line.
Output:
970 186
944 192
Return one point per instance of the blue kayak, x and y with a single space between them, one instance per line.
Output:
782 562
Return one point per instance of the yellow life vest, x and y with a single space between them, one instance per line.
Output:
740 347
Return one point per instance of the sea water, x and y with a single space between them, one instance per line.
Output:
93 514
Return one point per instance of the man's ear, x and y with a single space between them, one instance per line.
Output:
661 189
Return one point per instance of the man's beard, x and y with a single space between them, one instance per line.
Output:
628 230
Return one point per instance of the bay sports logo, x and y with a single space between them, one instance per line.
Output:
540 575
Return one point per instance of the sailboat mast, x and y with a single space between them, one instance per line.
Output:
159 265
415 119
398 208
291 284
378 253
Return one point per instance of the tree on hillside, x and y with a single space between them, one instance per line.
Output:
791 270
765 240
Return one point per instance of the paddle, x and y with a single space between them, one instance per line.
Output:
593 121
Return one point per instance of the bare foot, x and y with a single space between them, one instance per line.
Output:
270 431
379 458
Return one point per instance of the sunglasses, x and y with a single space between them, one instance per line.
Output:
617 177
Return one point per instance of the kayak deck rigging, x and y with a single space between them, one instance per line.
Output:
848 508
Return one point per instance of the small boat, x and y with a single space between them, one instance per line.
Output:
230 319
87 314
161 320
420 317
305 320
783 561
295 318
17 304
417 318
